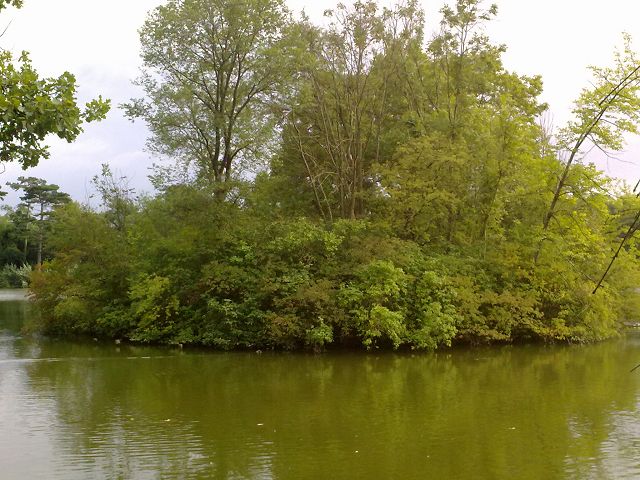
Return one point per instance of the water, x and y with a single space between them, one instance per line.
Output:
72 410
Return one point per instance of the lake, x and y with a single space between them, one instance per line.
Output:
79 410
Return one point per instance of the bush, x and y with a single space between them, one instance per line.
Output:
12 276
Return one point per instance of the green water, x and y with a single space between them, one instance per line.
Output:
87 410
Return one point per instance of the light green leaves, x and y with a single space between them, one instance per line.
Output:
212 70
32 108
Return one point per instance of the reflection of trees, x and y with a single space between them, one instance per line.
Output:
113 403
513 412
13 314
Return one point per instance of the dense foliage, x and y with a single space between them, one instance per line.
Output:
412 197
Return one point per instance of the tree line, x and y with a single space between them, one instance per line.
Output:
350 182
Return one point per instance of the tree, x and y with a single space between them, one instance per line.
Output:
604 114
116 196
22 223
345 105
32 107
404 205
39 200
10 239
472 149
211 68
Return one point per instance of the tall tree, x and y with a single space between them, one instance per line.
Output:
23 228
345 104
39 199
473 136
211 68
604 114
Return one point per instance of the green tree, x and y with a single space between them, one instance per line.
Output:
10 240
342 117
23 226
474 138
116 197
604 114
211 70
39 200
14 3
404 207
32 107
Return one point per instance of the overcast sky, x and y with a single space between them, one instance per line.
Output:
98 42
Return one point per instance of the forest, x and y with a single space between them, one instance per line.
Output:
354 182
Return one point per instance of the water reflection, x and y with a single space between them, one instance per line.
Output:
77 410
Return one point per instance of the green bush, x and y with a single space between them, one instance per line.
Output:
12 276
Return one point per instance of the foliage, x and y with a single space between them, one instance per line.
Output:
32 107
116 197
39 200
210 69
412 199
12 276
5 3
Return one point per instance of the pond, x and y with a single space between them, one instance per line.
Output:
73 410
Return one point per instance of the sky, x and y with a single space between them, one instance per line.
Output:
97 41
